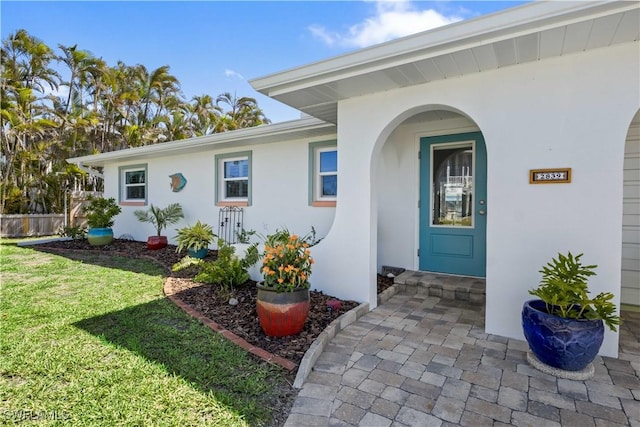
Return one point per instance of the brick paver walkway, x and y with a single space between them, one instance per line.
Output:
424 361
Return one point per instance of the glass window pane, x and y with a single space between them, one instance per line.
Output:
329 185
236 189
134 177
453 186
135 192
236 169
328 161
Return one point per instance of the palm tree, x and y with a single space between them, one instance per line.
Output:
204 115
243 112
25 120
106 108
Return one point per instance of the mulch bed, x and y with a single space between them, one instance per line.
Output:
213 302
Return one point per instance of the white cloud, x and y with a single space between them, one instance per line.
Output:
231 74
392 19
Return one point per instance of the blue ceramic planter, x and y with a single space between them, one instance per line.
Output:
200 253
568 344
99 236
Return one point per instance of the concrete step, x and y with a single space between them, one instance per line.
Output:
472 289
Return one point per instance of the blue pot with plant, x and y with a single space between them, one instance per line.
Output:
565 327
195 239
100 213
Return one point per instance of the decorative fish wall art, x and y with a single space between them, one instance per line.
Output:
178 181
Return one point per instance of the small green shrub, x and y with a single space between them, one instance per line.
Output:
245 236
100 212
75 232
227 270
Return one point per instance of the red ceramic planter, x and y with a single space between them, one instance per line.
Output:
282 313
156 242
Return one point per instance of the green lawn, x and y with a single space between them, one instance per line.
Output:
94 342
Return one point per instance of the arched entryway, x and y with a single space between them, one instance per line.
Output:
430 185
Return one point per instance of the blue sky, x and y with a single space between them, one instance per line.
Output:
216 46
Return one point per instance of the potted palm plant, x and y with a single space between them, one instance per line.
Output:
564 328
100 213
283 298
195 239
160 218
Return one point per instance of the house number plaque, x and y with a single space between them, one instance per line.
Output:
550 176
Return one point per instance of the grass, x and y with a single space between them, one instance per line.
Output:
94 342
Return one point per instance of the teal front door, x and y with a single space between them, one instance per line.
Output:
453 204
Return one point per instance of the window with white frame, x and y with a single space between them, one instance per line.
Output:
133 184
233 175
324 173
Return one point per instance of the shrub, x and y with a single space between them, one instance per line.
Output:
227 270
76 232
100 212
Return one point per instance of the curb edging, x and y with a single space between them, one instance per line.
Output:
241 342
320 343
317 347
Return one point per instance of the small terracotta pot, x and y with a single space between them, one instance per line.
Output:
156 242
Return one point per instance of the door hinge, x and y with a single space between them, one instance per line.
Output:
419 155
418 252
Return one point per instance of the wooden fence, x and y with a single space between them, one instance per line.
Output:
33 225
30 225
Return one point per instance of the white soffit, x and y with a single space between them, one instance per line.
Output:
532 32
304 128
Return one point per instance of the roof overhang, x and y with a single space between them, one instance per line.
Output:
308 127
531 32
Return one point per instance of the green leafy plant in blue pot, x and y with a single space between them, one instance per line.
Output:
195 239
565 327
100 214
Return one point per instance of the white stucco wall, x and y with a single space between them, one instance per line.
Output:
571 111
279 191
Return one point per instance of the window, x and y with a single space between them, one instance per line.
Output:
133 185
323 164
233 172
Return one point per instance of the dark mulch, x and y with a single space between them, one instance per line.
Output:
213 302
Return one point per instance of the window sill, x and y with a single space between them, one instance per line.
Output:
132 203
238 203
324 204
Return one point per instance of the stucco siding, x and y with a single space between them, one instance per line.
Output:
279 179
571 111
561 112
630 292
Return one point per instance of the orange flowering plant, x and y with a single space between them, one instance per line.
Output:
287 261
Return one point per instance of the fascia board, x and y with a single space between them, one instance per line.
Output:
255 135
511 23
